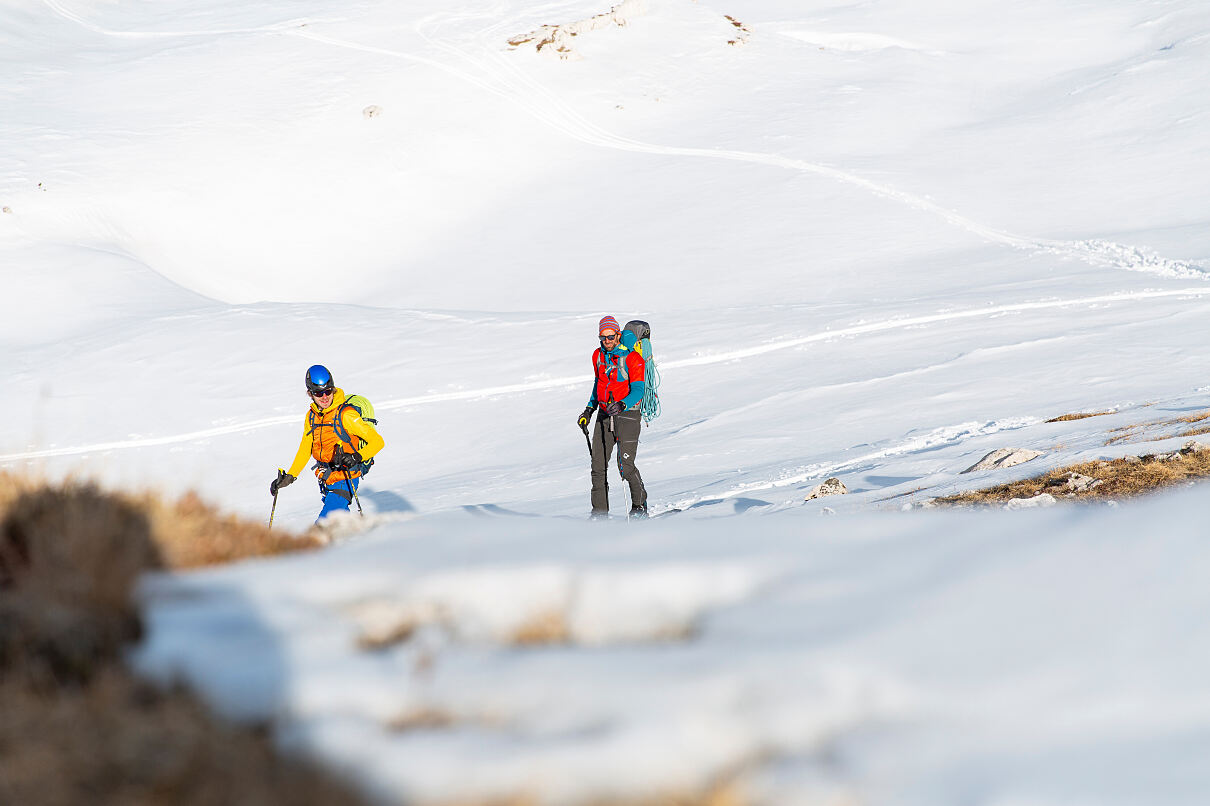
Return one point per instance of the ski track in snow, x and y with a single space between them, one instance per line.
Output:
536 99
62 11
557 383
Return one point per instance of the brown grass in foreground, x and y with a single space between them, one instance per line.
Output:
75 726
121 741
188 532
1120 478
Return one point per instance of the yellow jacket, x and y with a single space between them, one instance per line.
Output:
319 441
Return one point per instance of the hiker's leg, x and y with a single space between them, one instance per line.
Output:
602 447
628 426
335 499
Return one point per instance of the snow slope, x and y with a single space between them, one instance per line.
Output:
875 241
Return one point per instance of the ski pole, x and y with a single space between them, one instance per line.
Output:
353 490
281 471
587 441
349 483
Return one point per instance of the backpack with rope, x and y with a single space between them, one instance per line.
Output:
649 407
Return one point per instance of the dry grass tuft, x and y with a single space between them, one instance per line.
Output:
187 533
549 627
1120 478
423 719
121 741
1158 429
190 533
69 559
1079 416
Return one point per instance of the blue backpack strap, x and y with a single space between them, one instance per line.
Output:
344 435
338 423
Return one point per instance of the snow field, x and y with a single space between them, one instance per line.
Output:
874 241
892 659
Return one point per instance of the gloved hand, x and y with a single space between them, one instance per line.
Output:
614 407
583 419
283 479
345 461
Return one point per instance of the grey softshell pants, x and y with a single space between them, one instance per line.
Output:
622 429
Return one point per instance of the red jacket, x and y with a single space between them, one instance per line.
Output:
619 375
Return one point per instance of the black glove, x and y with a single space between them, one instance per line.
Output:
614 407
283 479
583 419
345 461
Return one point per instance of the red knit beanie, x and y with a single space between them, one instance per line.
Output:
608 323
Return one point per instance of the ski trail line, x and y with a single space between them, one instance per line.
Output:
539 101
570 381
548 108
62 11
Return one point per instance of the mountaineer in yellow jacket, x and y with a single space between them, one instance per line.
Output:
338 437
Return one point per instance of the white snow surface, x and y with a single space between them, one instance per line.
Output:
875 241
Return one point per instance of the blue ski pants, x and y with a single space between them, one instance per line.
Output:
337 497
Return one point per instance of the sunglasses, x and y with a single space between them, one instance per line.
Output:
609 336
322 393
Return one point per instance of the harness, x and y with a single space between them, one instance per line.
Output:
340 436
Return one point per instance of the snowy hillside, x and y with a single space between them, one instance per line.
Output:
875 241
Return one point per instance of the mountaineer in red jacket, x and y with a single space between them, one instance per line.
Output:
617 392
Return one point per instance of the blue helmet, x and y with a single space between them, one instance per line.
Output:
319 380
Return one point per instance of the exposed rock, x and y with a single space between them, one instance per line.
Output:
1133 460
1078 483
1040 500
832 486
1192 446
557 39
1004 457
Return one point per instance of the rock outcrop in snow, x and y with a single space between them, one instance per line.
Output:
1078 483
832 486
1004 457
1038 501
557 39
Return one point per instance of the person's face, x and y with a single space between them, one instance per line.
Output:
609 339
323 398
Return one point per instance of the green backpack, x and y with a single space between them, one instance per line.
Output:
366 409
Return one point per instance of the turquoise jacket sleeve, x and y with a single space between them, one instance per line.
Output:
637 388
